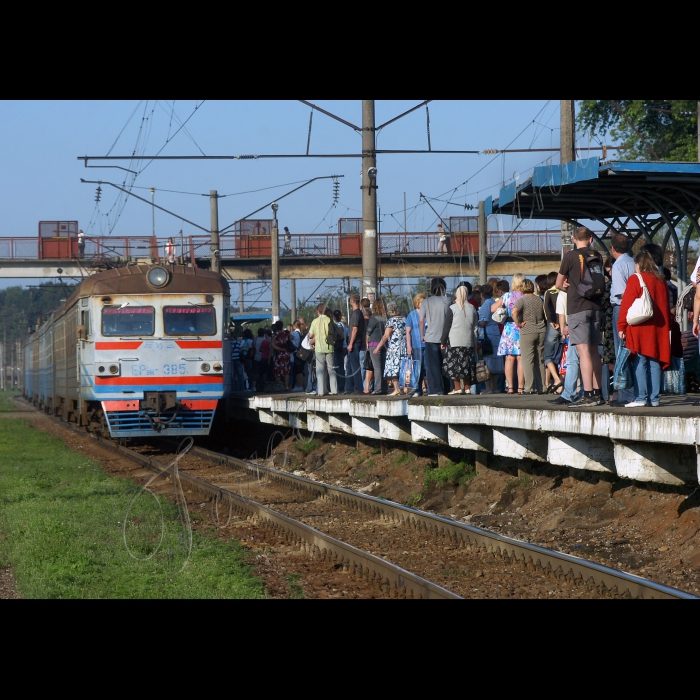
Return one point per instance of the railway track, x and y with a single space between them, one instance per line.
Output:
229 479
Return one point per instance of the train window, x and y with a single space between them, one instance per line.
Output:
189 320
128 320
85 319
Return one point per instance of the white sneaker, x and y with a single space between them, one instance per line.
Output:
636 404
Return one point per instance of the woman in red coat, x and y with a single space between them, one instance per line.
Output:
649 341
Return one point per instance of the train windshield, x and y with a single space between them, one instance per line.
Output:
189 320
128 320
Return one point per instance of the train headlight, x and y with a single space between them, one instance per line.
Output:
158 277
101 369
217 367
113 369
205 367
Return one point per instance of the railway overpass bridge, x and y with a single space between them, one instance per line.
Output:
247 256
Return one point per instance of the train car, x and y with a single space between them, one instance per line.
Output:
137 351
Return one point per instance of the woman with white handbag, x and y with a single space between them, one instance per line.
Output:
645 326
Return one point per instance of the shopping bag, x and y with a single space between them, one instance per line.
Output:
674 377
482 372
561 367
623 377
409 373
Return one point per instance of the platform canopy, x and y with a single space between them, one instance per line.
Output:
657 201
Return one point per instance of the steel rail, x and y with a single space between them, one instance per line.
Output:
533 557
390 578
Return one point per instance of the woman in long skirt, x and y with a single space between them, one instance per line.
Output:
459 339
394 340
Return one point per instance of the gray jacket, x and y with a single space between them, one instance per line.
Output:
460 326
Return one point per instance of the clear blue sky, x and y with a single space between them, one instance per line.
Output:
41 140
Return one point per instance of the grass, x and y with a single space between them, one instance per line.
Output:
294 589
522 480
65 526
414 499
376 451
306 447
361 475
5 403
455 474
402 459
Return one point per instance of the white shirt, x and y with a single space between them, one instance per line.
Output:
561 304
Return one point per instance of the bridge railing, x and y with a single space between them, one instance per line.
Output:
305 245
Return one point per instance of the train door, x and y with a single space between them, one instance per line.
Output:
86 350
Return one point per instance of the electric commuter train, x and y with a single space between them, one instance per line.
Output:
141 350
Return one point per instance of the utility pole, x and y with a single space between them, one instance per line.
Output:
2 359
567 154
368 287
241 301
274 236
482 243
293 305
153 211
214 206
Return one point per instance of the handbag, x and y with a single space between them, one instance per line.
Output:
486 346
674 377
500 314
367 364
642 308
482 372
623 378
303 353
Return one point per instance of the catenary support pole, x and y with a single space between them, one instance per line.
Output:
293 305
241 297
215 255
482 244
274 241
368 286
567 154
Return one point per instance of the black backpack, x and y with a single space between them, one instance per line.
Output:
591 274
338 347
333 335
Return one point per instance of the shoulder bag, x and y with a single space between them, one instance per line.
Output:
642 308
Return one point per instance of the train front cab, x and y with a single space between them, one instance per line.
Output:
156 364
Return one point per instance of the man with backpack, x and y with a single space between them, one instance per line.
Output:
582 268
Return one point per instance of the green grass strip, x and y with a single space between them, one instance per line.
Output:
71 531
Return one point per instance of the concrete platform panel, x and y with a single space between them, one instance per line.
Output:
363 408
329 404
643 461
519 418
288 405
470 437
582 452
577 422
318 422
262 402
268 416
392 407
340 422
520 444
395 428
366 427
449 413
651 428
298 420
425 431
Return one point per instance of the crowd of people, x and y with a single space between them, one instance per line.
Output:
559 335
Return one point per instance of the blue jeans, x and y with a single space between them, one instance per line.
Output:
308 371
353 380
623 395
572 374
339 365
647 370
433 361
237 376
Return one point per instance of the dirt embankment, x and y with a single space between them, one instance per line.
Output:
651 530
